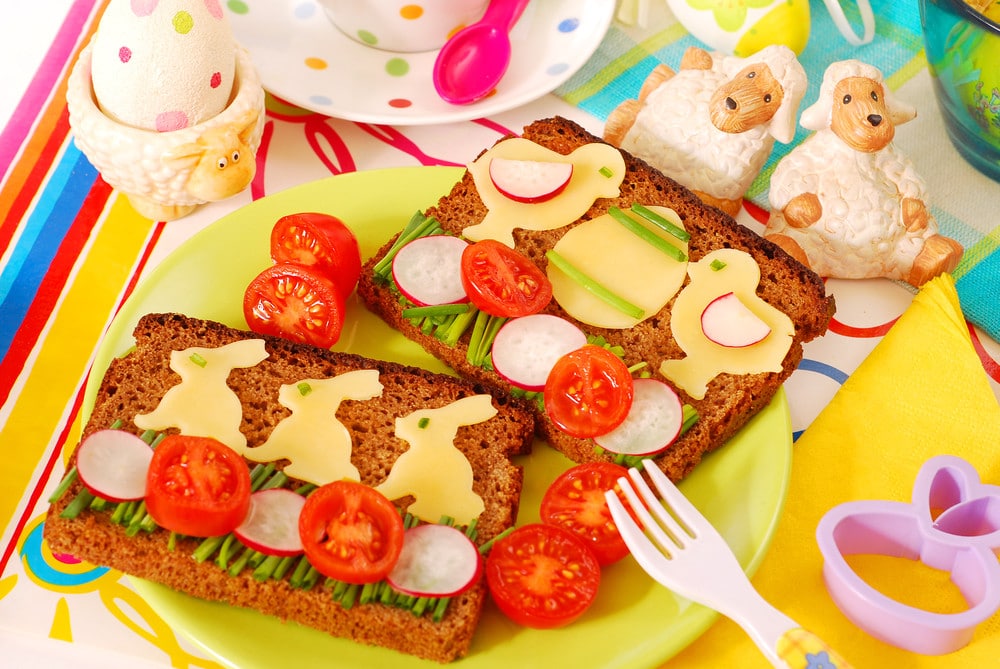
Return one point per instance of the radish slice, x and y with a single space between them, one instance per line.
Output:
728 322
526 348
652 424
529 180
428 270
113 464
437 561
272 523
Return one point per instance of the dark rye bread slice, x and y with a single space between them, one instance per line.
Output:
731 400
135 383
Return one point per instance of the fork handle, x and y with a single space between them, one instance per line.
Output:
781 639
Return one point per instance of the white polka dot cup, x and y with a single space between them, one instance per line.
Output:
402 25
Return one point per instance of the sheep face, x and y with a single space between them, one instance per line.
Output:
749 99
861 118
221 162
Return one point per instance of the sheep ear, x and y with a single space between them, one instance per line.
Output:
816 117
185 156
246 130
899 111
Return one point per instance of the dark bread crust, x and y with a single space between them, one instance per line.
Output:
731 400
135 383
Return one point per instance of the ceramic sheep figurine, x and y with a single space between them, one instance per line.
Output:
846 202
711 125
167 175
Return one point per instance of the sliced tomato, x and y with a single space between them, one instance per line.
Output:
295 302
575 501
320 241
197 486
351 532
503 281
542 576
588 392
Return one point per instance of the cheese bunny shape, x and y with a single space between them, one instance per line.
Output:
436 473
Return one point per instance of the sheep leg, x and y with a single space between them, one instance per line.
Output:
620 121
789 246
731 207
156 211
915 214
939 255
803 210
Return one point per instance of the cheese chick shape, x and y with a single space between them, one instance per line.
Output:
718 273
163 65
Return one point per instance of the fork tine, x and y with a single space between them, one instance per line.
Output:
691 519
662 528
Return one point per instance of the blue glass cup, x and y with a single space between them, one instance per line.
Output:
963 52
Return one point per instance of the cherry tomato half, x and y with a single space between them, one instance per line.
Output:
320 241
502 281
575 501
197 486
588 392
295 302
542 576
351 532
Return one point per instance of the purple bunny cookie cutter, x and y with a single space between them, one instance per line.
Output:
952 524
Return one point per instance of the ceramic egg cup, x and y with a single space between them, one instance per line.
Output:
167 175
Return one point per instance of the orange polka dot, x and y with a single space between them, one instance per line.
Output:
411 11
316 63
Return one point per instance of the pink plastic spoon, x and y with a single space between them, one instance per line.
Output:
472 62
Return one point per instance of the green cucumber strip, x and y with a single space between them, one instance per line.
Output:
436 310
646 235
595 288
661 222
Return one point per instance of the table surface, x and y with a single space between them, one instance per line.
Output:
32 615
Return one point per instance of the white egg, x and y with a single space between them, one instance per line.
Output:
163 64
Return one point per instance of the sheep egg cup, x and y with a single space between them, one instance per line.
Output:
168 175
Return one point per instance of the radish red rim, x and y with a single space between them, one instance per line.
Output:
113 465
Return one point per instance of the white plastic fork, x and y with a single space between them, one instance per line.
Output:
681 550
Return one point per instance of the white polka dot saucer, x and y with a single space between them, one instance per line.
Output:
304 60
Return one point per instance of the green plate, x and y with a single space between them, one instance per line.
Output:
634 623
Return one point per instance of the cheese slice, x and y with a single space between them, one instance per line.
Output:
202 404
316 444
598 171
621 262
437 474
720 272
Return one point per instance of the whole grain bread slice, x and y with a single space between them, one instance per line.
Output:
731 400
135 384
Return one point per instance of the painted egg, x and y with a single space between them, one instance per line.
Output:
163 64
978 79
744 27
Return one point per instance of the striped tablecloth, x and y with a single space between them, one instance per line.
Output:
72 250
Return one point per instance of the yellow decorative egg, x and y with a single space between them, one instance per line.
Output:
163 64
744 27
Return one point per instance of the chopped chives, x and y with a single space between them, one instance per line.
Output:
595 288
647 235
661 222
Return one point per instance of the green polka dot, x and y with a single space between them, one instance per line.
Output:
397 67
183 22
367 37
237 6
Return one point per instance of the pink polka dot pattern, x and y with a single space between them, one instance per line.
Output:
143 7
171 120
124 54
214 8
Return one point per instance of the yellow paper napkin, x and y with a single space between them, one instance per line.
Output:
921 392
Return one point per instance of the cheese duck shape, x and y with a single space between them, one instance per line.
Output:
718 273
